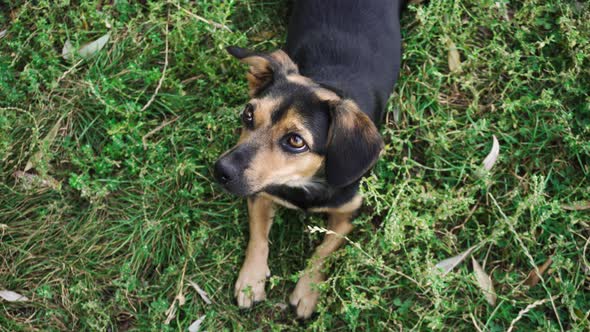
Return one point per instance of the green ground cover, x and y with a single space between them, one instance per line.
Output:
108 208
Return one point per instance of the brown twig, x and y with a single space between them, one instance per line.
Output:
153 97
202 19
155 130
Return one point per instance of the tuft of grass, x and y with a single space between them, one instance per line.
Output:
118 210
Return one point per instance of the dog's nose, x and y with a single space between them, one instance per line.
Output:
221 172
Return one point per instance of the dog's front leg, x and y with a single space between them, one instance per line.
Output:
250 285
305 296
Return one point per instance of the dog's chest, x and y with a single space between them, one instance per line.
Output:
314 200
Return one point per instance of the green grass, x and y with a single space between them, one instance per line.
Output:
102 232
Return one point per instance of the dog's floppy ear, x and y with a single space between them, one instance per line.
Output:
354 143
264 67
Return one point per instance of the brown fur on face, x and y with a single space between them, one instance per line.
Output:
343 141
263 67
273 166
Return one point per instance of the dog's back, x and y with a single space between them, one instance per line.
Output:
353 46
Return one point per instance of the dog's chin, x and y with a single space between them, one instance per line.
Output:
238 189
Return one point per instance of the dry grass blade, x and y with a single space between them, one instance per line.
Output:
485 282
200 291
578 206
161 80
454 57
196 325
155 130
533 277
525 310
204 20
11 296
491 158
47 141
450 263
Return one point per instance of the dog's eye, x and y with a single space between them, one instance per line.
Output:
294 143
248 114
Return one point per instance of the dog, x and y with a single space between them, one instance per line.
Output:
310 129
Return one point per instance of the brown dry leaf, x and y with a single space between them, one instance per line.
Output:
454 57
448 264
577 206
533 278
47 141
485 282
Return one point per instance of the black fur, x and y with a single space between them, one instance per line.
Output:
353 48
352 45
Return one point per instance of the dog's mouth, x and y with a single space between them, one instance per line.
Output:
236 188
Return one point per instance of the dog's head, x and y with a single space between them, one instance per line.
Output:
295 132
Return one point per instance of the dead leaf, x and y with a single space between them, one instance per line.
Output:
491 158
11 296
577 206
485 282
200 291
3 33
92 48
196 325
87 50
67 50
454 57
47 141
29 181
450 263
170 312
533 277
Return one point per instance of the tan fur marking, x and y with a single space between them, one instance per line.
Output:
257 64
279 201
272 166
259 72
284 61
292 123
326 95
301 80
350 114
348 207
255 270
263 109
305 296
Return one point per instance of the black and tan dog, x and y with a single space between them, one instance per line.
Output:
310 128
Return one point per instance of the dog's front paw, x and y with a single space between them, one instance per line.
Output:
305 296
250 285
